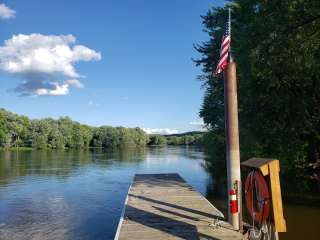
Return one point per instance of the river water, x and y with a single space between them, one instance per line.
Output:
80 194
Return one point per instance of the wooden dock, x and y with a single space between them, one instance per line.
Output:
164 206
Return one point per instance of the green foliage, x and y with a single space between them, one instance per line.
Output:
157 139
107 136
140 137
13 129
277 48
19 131
174 140
189 138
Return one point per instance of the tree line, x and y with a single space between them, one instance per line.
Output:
276 45
190 138
20 131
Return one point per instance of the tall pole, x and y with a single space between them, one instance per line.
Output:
232 138
229 24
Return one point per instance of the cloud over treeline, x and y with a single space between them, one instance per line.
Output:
46 63
163 131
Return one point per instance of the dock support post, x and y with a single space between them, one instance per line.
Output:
232 141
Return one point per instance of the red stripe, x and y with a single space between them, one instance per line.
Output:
225 40
224 53
221 67
223 56
225 44
221 64
226 49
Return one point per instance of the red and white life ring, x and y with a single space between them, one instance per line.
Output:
257 196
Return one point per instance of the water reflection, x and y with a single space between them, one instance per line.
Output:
80 194
61 163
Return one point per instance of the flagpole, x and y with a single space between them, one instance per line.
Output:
232 140
229 23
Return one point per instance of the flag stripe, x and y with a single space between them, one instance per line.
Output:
224 51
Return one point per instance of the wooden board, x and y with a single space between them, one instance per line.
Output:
164 206
279 221
271 168
259 163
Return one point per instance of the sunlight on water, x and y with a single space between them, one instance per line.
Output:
80 194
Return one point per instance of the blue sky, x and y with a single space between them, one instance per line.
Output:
132 66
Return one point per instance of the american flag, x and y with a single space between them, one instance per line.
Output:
224 50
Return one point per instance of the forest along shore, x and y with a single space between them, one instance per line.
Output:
17 131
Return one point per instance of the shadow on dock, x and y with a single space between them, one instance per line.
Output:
167 225
165 207
190 210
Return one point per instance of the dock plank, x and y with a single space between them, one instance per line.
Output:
164 206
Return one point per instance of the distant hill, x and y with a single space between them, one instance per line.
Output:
192 133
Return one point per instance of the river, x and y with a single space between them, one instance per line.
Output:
80 194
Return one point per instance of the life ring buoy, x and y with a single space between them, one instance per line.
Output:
258 204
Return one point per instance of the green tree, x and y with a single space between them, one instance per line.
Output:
86 133
173 140
141 138
276 45
65 127
18 131
157 139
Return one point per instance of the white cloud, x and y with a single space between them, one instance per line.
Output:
58 91
45 62
76 83
163 131
6 12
